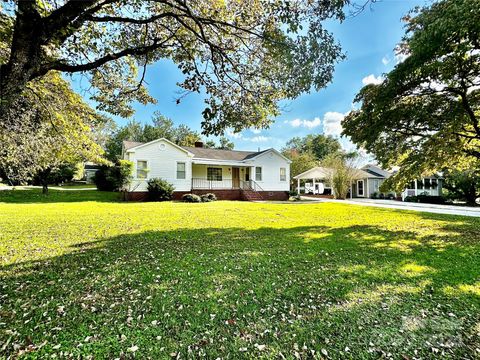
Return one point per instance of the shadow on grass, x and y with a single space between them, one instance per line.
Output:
56 196
217 292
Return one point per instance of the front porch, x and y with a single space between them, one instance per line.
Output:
222 177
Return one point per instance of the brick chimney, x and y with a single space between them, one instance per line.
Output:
198 144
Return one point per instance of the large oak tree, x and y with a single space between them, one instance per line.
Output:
247 55
425 115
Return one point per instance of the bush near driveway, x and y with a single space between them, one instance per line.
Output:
234 279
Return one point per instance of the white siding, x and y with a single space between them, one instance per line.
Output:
271 163
162 163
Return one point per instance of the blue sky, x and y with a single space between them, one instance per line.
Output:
368 40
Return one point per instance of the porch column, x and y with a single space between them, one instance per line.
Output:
298 186
367 194
351 190
415 187
313 186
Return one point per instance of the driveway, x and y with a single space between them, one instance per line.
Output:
391 204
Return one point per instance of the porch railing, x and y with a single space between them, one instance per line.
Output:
205 184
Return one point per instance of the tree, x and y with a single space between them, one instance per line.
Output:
55 129
343 171
225 144
463 185
301 162
320 146
246 55
162 127
424 116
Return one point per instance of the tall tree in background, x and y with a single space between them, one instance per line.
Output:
308 151
425 115
462 185
319 145
161 127
56 130
246 55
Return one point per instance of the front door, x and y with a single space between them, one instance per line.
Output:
360 191
236 177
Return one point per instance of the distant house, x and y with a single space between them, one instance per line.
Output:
230 174
89 170
367 182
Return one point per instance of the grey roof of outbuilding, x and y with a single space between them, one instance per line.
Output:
219 154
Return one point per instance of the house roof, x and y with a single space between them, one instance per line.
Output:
220 154
131 144
320 172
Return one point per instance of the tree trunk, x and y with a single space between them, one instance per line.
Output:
45 188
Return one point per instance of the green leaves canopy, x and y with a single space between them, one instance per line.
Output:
424 116
246 55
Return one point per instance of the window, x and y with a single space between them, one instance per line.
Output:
283 174
258 174
419 184
214 174
434 184
181 170
427 184
141 169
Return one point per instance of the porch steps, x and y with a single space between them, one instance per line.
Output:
252 195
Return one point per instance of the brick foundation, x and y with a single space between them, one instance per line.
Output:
231 194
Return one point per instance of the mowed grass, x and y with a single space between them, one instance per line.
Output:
86 276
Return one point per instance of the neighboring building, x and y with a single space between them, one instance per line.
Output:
230 174
367 182
89 170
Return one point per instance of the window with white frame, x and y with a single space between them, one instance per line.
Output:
258 173
181 170
283 174
214 174
142 169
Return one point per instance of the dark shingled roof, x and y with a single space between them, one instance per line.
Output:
219 154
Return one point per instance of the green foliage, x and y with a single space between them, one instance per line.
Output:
58 175
159 189
208 197
223 144
162 127
320 146
342 174
113 276
246 56
424 116
462 185
56 128
191 198
114 178
301 162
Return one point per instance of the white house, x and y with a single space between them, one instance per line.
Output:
230 174
366 184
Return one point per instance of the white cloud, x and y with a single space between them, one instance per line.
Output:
309 124
386 60
372 79
255 131
332 123
257 139
233 135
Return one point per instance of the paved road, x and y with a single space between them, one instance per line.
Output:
391 204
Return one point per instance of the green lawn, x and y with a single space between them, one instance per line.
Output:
83 274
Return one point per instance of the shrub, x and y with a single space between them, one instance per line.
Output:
411 199
374 195
390 197
191 198
114 178
208 197
292 193
381 196
159 190
431 199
